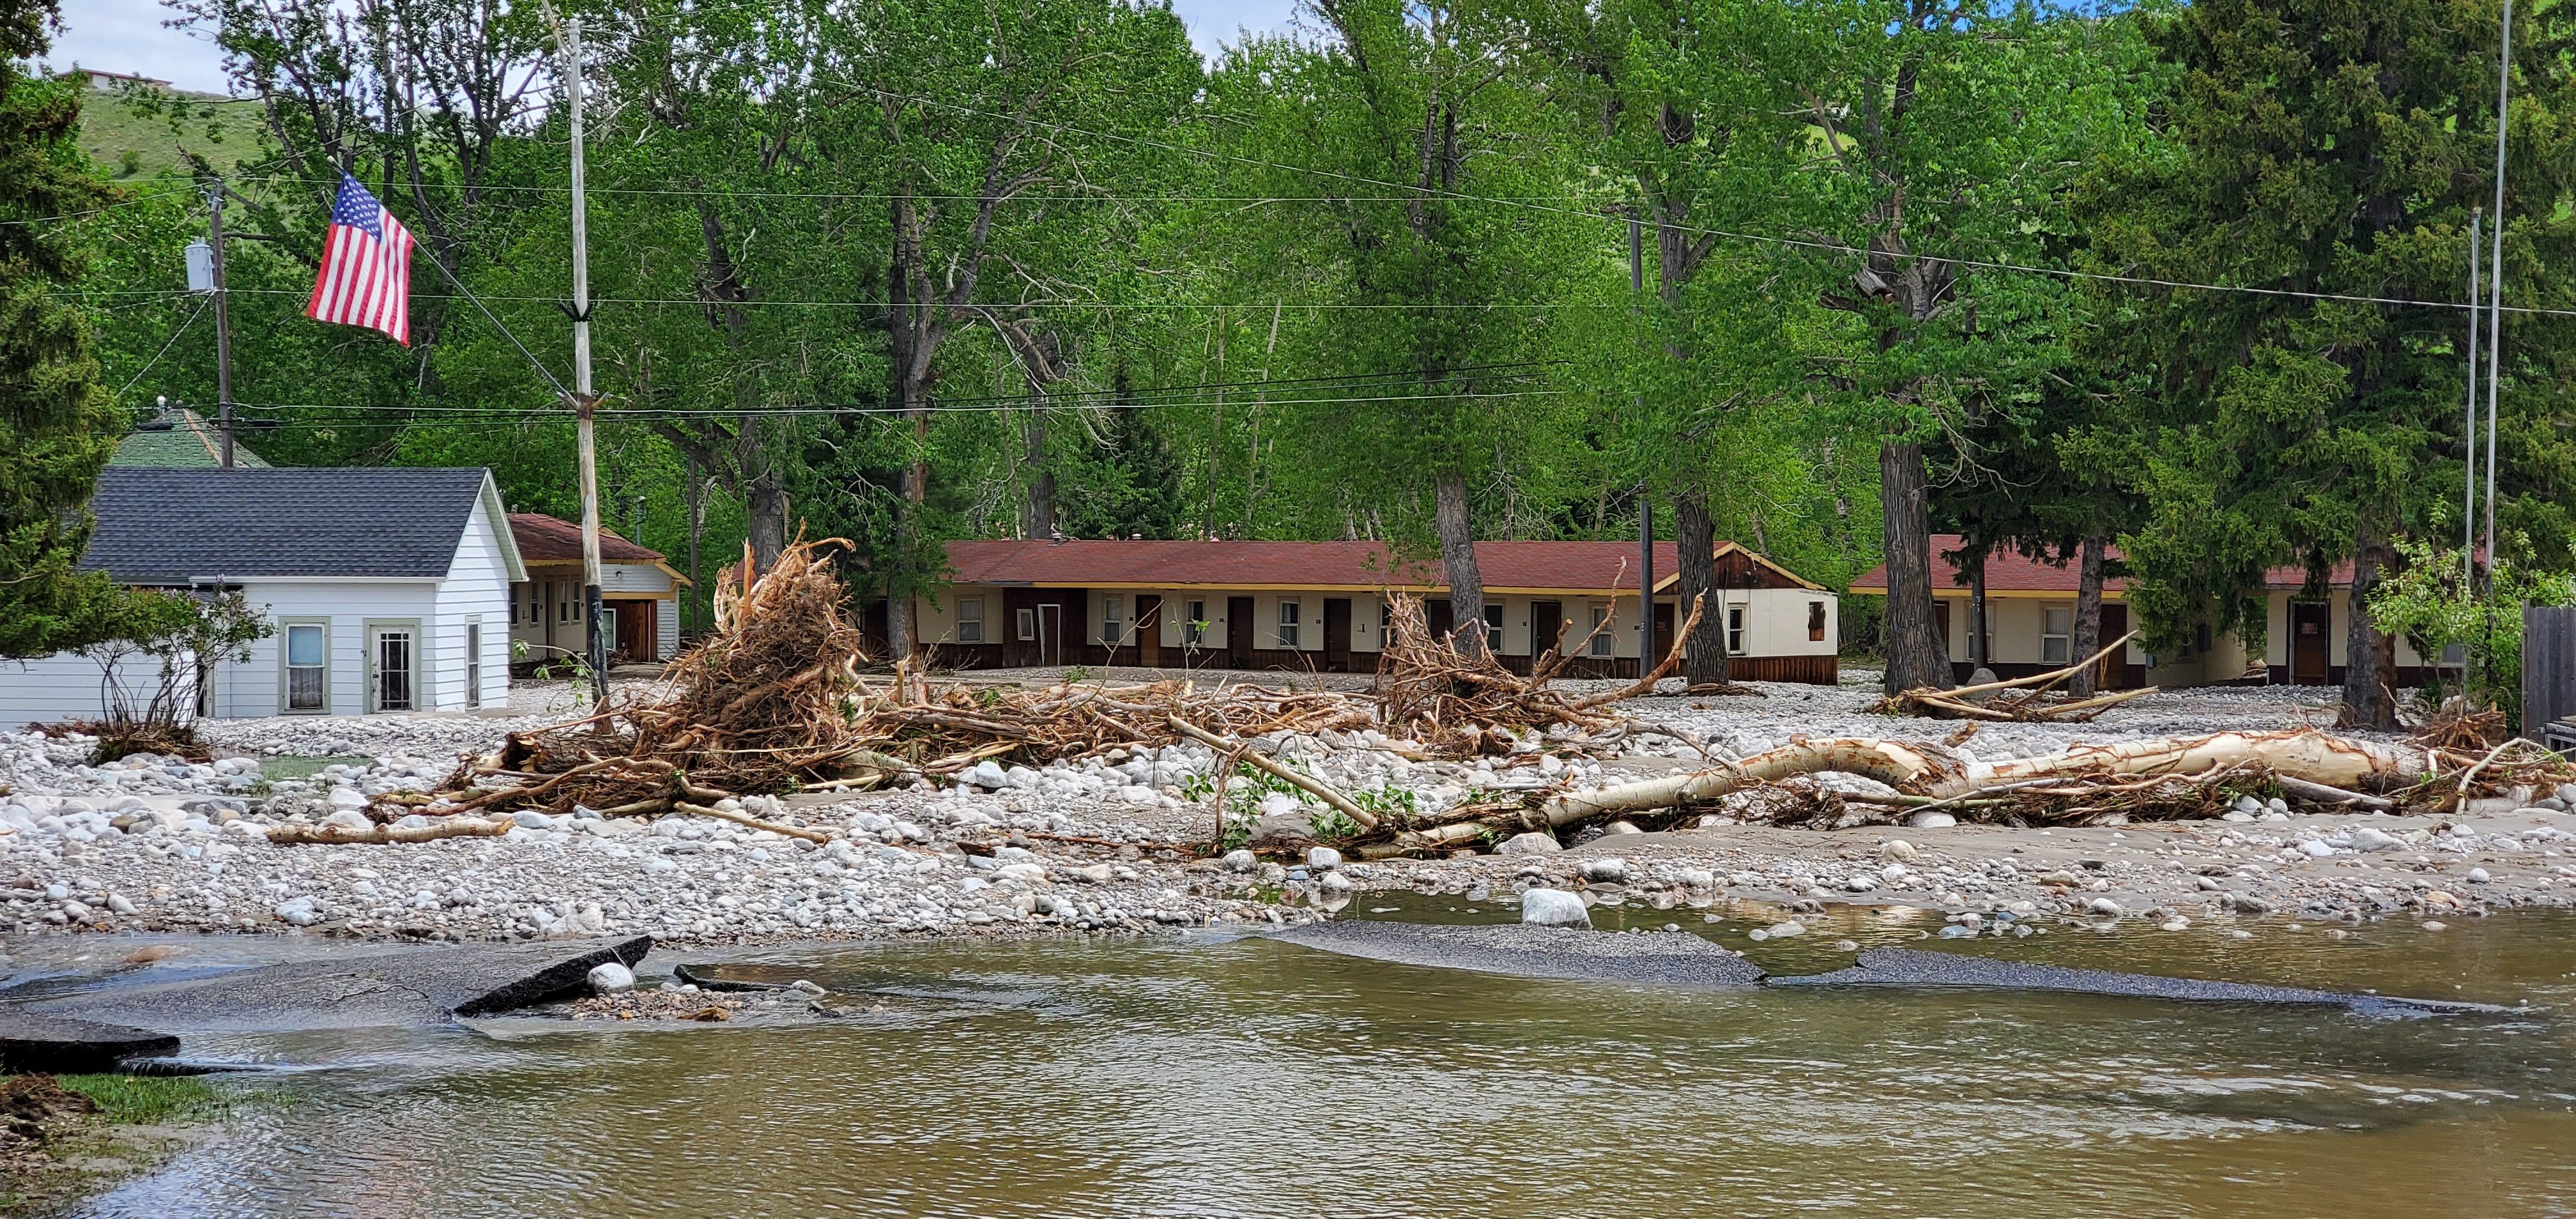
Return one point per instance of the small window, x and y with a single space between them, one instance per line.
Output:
307 668
473 664
970 620
563 604
1194 627
1815 622
1494 625
2057 634
1603 643
1028 624
1290 613
1113 612
608 626
1735 630
514 607
2200 636
1386 616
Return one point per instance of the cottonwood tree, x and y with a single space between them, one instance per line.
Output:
1944 132
968 117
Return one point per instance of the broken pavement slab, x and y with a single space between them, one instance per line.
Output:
57 1045
1914 967
404 987
1664 958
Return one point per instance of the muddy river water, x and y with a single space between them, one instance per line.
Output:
1249 1077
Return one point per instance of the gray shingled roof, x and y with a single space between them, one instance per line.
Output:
158 526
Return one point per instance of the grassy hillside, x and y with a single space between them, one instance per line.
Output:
132 145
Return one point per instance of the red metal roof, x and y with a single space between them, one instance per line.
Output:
543 539
1566 566
2006 571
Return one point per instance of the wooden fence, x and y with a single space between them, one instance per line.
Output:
2548 671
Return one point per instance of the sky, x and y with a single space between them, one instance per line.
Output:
128 36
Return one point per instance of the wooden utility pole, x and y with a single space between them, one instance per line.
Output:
1645 491
223 326
584 402
2495 275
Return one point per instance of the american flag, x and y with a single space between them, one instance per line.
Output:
366 267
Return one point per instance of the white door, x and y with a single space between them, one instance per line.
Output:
392 673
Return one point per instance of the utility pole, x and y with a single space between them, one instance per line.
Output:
223 326
584 401
2469 497
2495 277
1645 491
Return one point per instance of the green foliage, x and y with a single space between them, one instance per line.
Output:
57 423
2432 604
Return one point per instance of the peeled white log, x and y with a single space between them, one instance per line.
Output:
1928 770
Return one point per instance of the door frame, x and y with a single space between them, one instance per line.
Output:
1050 632
1148 626
368 653
1547 620
2325 639
1239 643
1337 634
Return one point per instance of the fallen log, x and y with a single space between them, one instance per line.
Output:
339 835
2025 707
1922 769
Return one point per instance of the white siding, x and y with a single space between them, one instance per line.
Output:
69 686
477 588
254 688
615 578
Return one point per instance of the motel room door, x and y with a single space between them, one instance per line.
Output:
1238 632
1149 630
2113 672
2310 655
1337 634
1546 619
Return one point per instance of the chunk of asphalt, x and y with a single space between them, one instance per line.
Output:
1914 967
404 987
1663 958
57 1045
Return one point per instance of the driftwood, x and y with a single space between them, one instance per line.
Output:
2153 777
2031 704
336 835
1461 705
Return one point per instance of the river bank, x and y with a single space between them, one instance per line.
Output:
1123 843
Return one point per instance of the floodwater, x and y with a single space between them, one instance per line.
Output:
1252 1078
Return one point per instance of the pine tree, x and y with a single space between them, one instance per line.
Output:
57 423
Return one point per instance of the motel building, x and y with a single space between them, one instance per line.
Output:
1325 606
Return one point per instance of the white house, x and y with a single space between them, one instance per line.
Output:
388 588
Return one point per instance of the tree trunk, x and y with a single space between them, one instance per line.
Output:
1697 536
768 517
1981 637
1916 653
2088 613
1458 562
1037 513
2370 655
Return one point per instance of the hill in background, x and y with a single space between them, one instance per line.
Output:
132 144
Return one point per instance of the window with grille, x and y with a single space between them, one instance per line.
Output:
970 620
1113 614
1735 630
1291 615
1194 626
1603 642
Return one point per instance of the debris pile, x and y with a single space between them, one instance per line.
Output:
1462 705
2034 699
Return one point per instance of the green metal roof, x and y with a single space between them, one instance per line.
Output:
181 440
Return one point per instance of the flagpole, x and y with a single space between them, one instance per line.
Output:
583 400
2495 277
